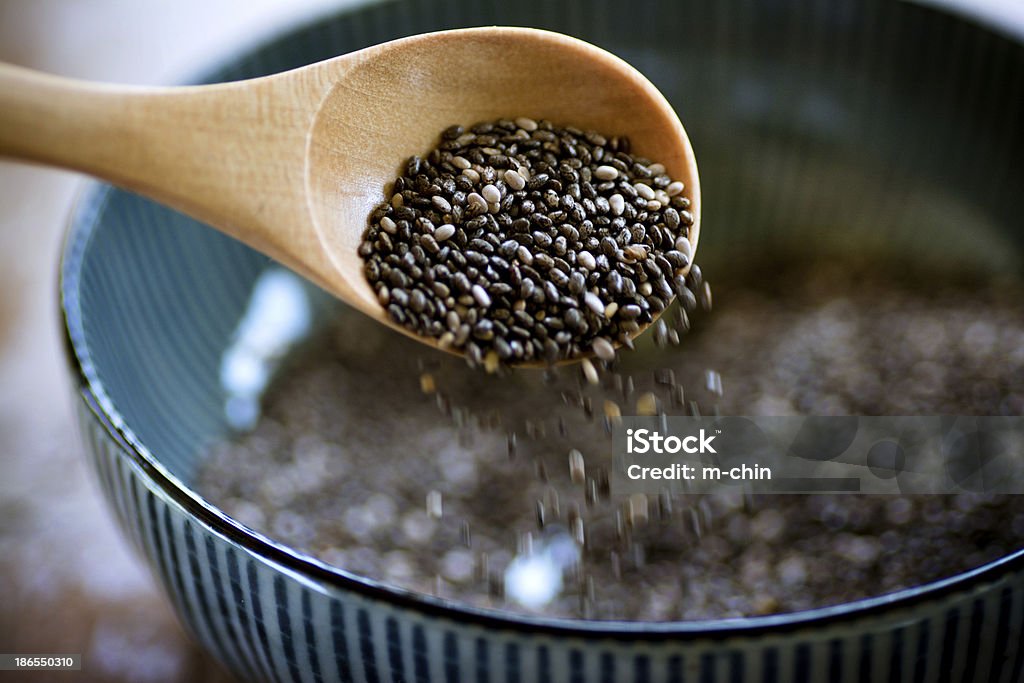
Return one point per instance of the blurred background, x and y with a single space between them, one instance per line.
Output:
68 582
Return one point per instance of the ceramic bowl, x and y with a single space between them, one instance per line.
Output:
830 125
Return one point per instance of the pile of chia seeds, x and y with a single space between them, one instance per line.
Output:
494 491
518 241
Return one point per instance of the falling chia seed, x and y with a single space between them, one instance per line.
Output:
521 241
459 484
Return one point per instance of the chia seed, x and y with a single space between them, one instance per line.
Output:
511 213
391 487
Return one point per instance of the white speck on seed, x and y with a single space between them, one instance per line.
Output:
577 467
713 382
603 348
529 125
577 531
647 404
636 251
444 232
644 191
476 201
491 194
481 296
617 204
683 246
606 173
612 410
636 512
435 506
514 180
594 303
491 362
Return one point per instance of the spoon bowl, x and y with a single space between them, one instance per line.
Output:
293 164
434 80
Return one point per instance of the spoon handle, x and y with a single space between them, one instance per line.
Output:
227 154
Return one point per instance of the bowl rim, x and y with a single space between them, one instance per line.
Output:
81 224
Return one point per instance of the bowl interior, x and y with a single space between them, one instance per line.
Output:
854 127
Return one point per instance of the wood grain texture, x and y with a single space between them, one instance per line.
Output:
292 164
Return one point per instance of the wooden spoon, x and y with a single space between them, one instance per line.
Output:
293 164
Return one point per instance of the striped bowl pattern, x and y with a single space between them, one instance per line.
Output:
834 124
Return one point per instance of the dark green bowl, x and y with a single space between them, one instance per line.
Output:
832 125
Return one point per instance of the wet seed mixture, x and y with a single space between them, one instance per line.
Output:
402 464
521 240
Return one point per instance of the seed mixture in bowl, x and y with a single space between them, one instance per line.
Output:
402 464
524 241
